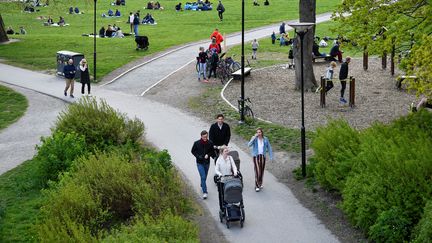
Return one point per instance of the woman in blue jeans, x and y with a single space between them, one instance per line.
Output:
260 146
203 149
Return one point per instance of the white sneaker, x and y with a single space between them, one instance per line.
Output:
257 189
261 187
205 196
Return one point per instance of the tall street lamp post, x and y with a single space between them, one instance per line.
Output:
242 98
301 29
94 41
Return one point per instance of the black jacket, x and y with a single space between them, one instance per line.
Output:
199 150
220 136
343 73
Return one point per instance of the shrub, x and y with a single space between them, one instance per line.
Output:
167 228
391 226
423 230
101 125
104 190
335 146
57 153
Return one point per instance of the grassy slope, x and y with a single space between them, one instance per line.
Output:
37 49
12 106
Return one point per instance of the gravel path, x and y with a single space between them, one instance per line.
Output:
274 98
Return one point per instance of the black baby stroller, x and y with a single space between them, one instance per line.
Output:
230 190
142 42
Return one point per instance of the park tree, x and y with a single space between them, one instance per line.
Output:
403 27
3 35
307 10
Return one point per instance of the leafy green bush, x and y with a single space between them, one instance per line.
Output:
423 230
101 125
335 146
57 153
105 190
391 226
167 228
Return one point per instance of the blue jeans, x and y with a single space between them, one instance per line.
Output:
136 29
202 70
203 171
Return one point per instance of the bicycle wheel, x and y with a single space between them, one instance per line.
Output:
220 74
235 66
248 112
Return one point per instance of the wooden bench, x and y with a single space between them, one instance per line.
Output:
327 57
401 78
237 74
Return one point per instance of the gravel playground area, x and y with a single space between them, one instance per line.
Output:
272 91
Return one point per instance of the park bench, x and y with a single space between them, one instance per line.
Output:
327 57
401 78
237 74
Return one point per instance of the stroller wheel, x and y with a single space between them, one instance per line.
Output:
243 215
241 223
221 216
228 224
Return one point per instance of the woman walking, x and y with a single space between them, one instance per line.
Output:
255 46
260 146
85 76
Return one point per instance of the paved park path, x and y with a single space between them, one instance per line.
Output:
272 215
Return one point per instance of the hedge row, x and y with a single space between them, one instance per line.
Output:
383 174
103 185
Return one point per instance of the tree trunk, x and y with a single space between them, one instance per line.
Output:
307 14
3 35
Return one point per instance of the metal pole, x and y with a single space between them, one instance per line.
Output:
303 131
94 42
242 98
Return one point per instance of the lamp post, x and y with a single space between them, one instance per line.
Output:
301 29
94 41
242 98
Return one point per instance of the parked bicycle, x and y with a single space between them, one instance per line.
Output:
247 108
226 66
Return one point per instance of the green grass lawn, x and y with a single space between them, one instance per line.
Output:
12 106
37 49
20 201
269 54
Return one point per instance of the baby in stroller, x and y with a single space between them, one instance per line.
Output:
230 187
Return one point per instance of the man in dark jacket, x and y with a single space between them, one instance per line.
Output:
335 51
219 133
69 74
221 9
203 150
343 75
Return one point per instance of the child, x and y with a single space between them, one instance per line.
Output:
329 76
273 38
202 59
255 46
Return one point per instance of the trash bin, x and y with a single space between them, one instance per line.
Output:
62 59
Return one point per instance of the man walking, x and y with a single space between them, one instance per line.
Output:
219 133
203 150
69 74
343 75
221 9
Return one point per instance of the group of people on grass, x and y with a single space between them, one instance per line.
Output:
154 5
111 31
111 13
214 144
199 5
75 10
21 31
266 3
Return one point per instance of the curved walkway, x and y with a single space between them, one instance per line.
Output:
272 215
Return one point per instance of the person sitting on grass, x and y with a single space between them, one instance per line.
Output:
76 10
62 21
10 31
50 21
178 7
148 19
110 13
109 31
266 3
255 3
71 10
23 31
117 13
102 32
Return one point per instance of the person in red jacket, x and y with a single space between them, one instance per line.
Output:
219 38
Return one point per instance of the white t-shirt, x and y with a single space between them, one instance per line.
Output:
131 19
260 146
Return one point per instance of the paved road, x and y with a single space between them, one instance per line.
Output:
272 215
